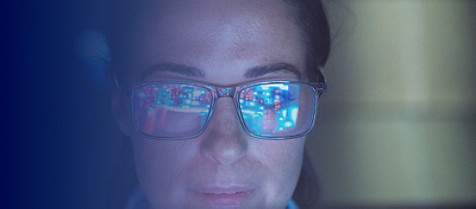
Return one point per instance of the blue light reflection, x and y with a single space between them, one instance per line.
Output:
270 108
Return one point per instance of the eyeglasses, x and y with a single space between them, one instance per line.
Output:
174 110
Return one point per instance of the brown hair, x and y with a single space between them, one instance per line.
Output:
312 19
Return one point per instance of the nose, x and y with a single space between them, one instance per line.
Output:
224 140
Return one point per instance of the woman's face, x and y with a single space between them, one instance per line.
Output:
226 43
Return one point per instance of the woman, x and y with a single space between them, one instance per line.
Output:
217 97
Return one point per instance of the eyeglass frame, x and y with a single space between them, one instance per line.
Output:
319 89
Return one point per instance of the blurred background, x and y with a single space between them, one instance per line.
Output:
398 125
396 128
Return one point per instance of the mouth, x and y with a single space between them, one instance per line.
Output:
226 197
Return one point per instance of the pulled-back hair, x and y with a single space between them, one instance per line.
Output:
312 20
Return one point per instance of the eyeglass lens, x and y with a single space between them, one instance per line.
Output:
277 110
171 110
180 110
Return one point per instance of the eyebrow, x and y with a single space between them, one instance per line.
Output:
174 68
272 68
190 71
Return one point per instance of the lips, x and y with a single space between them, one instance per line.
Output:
226 197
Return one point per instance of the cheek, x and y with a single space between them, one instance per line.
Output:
159 167
284 161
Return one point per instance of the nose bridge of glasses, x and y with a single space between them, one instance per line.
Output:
225 92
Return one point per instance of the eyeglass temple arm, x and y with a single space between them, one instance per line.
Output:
321 79
119 84
320 75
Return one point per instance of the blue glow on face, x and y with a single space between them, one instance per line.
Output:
270 108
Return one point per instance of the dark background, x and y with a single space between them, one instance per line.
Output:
59 137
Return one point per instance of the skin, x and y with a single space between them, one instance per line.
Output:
226 42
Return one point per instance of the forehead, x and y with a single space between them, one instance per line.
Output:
216 36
